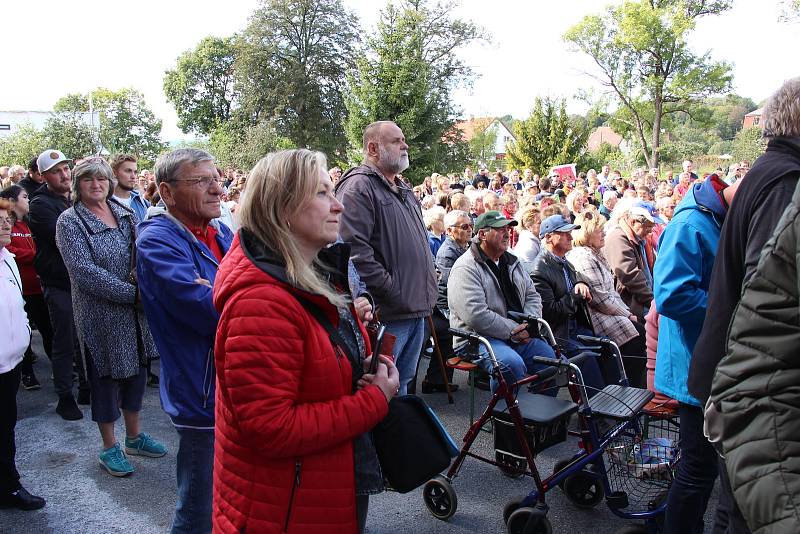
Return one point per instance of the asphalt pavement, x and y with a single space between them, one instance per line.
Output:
58 460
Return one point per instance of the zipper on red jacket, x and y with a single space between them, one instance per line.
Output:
297 467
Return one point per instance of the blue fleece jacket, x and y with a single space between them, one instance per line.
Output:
682 273
181 313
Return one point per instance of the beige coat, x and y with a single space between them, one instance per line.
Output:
608 312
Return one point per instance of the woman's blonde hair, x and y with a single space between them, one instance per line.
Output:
589 222
278 188
529 216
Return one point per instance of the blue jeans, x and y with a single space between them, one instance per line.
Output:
195 468
697 472
410 334
516 359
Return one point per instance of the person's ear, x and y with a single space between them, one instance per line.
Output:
166 194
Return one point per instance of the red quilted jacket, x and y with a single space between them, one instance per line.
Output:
285 416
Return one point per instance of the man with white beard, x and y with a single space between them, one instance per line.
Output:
382 222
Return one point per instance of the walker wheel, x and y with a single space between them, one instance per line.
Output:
633 528
440 498
583 490
509 509
518 522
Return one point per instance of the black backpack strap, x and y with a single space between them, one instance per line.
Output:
333 334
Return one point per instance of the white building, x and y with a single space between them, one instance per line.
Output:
10 121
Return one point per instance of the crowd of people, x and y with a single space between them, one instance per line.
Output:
253 292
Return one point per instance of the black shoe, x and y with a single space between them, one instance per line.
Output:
30 383
21 500
67 408
84 396
152 380
483 383
427 387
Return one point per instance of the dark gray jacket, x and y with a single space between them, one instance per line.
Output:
389 243
448 253
755 388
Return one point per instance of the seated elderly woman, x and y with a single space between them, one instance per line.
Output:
610 316
96 237
294 405
528 244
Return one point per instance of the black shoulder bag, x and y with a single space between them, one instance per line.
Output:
411 443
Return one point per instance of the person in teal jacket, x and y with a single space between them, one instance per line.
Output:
681 276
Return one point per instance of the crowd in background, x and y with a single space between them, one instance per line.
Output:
116 266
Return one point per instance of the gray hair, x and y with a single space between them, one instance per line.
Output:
168 165
782 111
91 167
452 217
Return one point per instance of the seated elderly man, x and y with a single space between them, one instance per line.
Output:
564 297
486 283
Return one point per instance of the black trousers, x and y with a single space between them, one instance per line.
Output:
66 350
434 373
729 519
36 308
9 384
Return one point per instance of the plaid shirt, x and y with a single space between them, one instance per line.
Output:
608 312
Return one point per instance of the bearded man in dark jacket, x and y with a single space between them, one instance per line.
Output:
382 221
751 220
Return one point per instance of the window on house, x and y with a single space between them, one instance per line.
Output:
756 120
5 127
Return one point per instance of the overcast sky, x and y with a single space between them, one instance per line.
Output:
54 47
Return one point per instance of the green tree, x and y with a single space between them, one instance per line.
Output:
642 56
482 144
547 138
22 146
291 61
69 132
201 86
407 75
748 144
126 123
242 147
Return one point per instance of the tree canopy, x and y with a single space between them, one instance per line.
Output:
201 86
291 61
126 123
407 74
548 137
641 53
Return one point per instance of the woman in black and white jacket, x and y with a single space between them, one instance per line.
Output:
16 335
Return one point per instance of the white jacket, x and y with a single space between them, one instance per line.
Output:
14 330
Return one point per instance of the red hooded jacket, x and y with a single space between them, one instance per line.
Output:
285 415
24 250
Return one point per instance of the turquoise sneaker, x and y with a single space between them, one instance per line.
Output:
144 445
115 462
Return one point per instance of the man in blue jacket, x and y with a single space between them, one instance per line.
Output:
681 276
179 250
124 167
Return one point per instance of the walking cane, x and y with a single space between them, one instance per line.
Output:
442 366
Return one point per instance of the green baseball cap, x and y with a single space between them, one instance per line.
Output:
493 219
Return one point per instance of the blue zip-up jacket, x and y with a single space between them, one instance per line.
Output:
682 274
181 313
139 205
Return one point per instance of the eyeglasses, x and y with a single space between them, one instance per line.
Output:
204 182
464 226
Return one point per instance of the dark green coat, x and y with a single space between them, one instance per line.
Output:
757 386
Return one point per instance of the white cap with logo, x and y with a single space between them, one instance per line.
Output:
49 159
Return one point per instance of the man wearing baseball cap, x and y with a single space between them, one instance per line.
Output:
486 283
627 256
48 202
564 297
